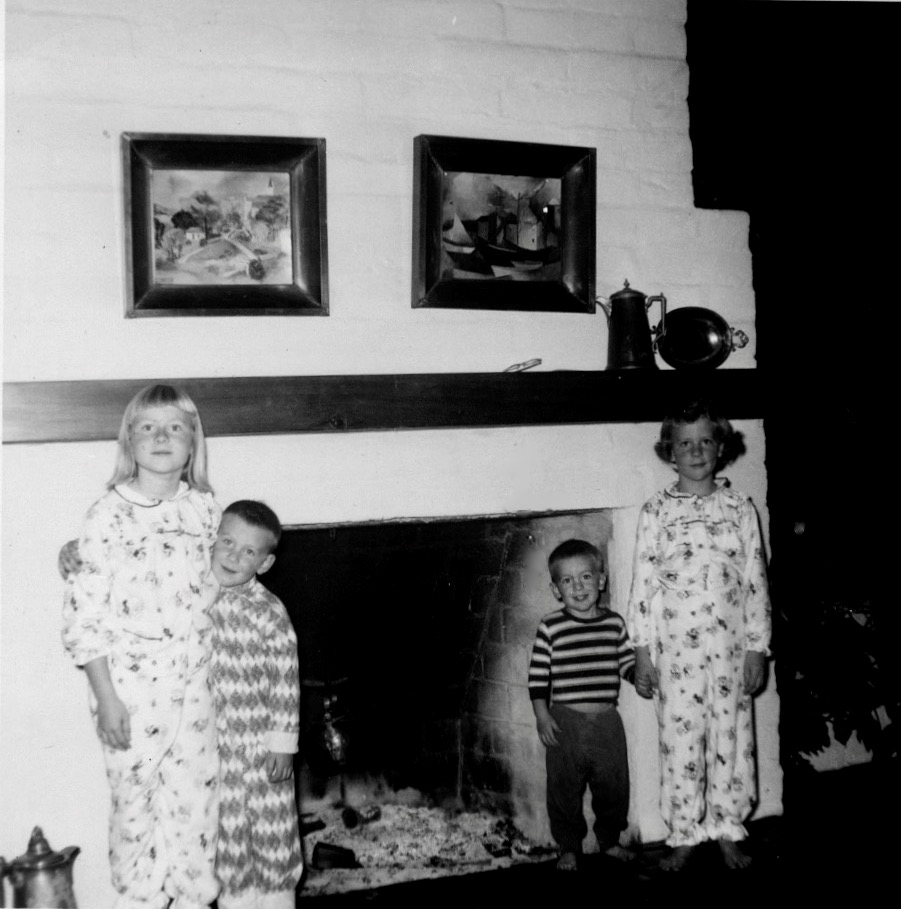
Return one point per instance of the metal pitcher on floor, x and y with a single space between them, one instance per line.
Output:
631 344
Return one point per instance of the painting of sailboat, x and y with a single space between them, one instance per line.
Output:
501 227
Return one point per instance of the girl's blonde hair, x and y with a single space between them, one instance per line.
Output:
126 469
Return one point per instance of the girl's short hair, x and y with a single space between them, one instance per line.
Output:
126 468
700 409
571 548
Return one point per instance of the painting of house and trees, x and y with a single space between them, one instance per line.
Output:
496 226
221 227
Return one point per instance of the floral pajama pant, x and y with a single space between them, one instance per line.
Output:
707 762
164 816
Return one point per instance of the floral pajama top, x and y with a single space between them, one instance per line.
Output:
690 545
143 592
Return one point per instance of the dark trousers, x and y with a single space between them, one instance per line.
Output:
592 752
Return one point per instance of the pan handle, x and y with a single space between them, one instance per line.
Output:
661 327
737 339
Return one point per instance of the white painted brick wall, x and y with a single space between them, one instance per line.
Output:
368 75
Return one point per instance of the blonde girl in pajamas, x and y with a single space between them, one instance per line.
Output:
136 617
699 617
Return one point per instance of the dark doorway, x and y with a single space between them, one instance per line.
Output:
793 111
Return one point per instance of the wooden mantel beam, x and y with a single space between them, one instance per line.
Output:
92 410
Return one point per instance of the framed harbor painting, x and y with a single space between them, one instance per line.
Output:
503 225
225 225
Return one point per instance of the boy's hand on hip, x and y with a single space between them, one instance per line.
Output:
279 766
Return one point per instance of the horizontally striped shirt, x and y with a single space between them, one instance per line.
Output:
580 661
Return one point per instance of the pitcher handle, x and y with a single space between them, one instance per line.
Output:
661 330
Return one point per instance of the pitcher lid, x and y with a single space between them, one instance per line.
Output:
40 855
626 291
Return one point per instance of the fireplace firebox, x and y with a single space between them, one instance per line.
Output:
414 639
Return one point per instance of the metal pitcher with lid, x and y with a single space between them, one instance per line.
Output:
630 343
42 877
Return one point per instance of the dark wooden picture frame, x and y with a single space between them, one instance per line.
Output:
558 277
249 255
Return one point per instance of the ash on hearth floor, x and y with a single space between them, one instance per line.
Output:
410 843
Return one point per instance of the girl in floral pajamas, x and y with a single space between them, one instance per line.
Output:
699 617
136 617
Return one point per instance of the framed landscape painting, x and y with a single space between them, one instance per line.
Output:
225 225
503 225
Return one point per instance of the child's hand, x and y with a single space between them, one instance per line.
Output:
645 674
547 731
69 560
113 723
279 767
755 672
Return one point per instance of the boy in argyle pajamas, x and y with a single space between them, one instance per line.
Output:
256 690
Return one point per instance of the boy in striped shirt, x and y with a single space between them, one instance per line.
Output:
580 653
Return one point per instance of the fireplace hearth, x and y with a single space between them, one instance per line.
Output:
408 840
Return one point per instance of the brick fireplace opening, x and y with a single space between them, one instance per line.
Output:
414 641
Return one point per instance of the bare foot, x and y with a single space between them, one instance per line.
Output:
620 853
568 861
733 856
677 859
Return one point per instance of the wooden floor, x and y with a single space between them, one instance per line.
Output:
834 844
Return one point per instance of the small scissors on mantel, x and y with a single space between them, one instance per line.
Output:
520 367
